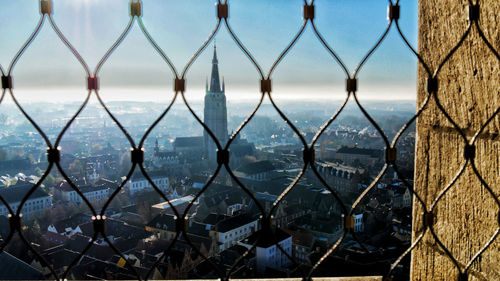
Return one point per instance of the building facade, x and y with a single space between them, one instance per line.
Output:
139 183
38 202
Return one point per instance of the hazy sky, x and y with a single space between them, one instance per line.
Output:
180 27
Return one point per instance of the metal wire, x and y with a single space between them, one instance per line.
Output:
309 162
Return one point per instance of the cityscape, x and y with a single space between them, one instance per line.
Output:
224 222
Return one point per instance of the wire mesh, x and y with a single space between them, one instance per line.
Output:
137 150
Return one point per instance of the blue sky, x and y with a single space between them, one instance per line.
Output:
265 26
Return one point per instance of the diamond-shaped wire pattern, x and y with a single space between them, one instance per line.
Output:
99 222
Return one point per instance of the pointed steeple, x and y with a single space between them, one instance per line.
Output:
214 80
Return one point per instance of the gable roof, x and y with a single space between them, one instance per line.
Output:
16 193
12 268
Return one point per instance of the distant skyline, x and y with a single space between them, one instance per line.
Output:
180 27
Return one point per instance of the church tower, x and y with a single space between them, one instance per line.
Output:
215 115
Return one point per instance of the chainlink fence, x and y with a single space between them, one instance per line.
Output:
266 220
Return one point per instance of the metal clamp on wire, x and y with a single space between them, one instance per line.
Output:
351 85
428 219
46 7
393 12
222 11
432 85
7 82
92 83
137 155
223 157
54 154
308 155
181 224
266 223
309 11
179 85
135 8
473 12
15 221
391 155
265 85
349 223
469 152
99 223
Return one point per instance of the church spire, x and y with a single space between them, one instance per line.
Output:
214 80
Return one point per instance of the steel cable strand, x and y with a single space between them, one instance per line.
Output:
198 52
328 253
25 45
68 44
242 48
41 259
2 200
388 276
233 267
487 187
155 187
102 214
148 131
287 49
212 178
11 231
296 131
164 197
131 141
462 134
233 136
79 256
304 168
75 53
96 71
163 255
3 89
431 211
184 216
127 262
485 40
296 265
18 214
325 184
156 47
75 188
212 136
419 57
377 127
330 50
92 210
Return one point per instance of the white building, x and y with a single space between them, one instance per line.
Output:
267 253
38 202
93 193
230 230
358 223
139 183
